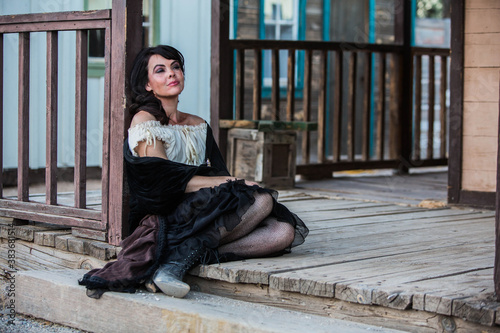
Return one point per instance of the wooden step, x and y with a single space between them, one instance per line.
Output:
56 296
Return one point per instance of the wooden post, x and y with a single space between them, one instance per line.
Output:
402 31
456 101
497 218
126 34
221 78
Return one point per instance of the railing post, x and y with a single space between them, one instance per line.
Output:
402 31
126 34
496 273
221 78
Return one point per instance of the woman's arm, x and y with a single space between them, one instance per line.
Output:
198 182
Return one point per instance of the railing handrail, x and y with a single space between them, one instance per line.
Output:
61 21
269 44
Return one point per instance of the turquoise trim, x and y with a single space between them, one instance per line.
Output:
326 37
413 15
235 19
371 21
371 39
326 19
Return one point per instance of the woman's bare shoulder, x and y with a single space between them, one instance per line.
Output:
194 120
141 117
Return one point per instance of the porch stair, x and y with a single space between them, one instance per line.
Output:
55 296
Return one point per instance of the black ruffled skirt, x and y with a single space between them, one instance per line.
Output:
197 219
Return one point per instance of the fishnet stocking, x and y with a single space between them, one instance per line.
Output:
270 237
257 212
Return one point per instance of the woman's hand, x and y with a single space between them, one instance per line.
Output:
199 182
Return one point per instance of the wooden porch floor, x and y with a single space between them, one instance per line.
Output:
435 264
374 255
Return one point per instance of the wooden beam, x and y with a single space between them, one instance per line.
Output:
402 32
221 78
456 101
126 34
497 219
105 169
1 116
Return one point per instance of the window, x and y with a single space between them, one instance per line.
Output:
96 37
280 22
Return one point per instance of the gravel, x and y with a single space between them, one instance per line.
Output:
24 324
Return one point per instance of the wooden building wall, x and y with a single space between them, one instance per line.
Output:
481 97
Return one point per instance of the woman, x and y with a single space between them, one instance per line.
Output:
185 208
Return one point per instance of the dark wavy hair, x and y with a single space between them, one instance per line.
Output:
140 98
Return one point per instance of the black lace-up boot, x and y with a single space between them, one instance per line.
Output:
168 277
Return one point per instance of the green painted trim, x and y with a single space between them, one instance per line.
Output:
96 67
156 22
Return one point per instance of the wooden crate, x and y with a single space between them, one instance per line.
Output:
264 157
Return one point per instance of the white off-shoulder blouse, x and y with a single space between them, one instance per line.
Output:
183 143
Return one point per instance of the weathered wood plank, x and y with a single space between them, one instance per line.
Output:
30 256
410 320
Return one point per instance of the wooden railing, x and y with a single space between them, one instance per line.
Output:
108 223
353 92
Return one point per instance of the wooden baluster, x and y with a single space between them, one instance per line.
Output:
442 99
351 107
431 102
240 83
306 151
395 84
290 102
367 106
381 107
1 115
418 106
81 119
257 84
322 106
275 93
51 120
337 111
23 121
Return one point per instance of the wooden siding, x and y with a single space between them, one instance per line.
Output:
480 107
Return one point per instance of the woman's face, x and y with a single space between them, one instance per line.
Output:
165 77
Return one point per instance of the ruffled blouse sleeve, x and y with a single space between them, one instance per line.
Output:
148 131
